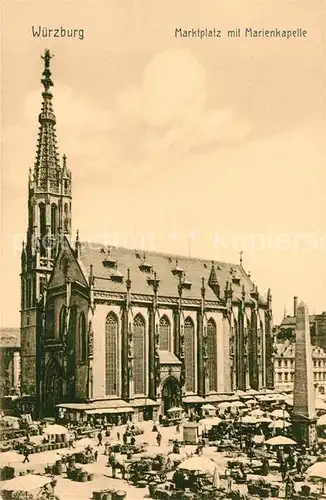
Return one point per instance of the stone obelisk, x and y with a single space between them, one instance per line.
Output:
304 411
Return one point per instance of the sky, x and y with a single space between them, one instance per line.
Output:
202 147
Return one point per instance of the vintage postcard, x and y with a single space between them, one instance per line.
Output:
163 323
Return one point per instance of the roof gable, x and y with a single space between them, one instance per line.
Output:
66 266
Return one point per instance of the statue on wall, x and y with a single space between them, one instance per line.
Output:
90 340
183 375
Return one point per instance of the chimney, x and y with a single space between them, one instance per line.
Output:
295 305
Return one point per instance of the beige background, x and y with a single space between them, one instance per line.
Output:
172 141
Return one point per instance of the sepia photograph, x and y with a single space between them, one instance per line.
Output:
163 250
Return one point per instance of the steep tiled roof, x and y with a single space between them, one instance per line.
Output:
167 268
10 337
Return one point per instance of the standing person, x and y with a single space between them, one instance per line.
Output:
99 437
118 436
26 454
71 442
95 455
229 479
159 438
289 487
106 447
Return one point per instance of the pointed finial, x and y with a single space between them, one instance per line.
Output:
91 277
241 257
46 80
249 274
77 236
128 281
203 289
64 161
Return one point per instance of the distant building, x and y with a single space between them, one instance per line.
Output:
284 366
286 330
9 361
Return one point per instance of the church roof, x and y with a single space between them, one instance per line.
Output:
168 270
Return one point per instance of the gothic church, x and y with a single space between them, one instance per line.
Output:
120 332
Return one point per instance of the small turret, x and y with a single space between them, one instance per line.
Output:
213 281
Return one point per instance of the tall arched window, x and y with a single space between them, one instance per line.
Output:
190 362
212 354
82 337
139 354
62 321
42 222
165 334
54 219
66 218
111 355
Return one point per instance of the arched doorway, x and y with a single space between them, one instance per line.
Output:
53 386
171 394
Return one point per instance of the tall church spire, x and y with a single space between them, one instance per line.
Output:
49 219
47 166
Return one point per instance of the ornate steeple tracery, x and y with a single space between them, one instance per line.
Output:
47 165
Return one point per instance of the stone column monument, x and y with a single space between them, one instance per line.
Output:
304 412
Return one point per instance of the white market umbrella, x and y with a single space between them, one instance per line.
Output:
202 464
280 441
257 413
279 424
264 420
225 404
175 409
322 420
248 419
250 402
317 470
237 404
209 422
208 407
55 430
280 414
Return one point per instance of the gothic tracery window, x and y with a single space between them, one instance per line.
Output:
139 354
82 338
111 355
42 225
190 362
62 321
165 334
212 354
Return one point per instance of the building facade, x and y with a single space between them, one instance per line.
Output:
108 330
284 367
9 361
286 330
